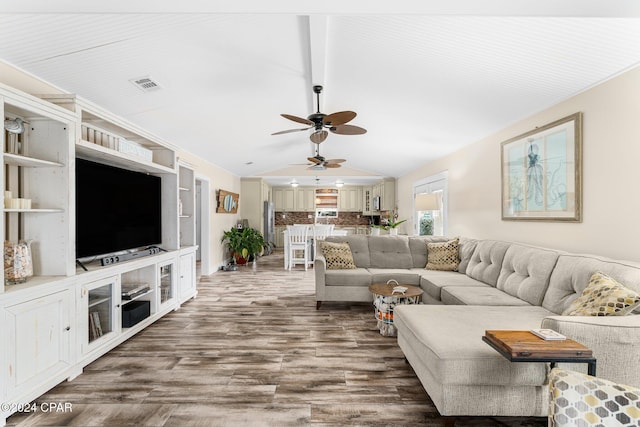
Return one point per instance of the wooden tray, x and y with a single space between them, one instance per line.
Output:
520 344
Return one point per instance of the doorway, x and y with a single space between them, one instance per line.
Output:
203 219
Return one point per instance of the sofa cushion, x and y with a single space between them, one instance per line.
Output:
478 295
466 246
433 281
572 272
449 338
355 277
418 248
401 275
486 261
604 296
526 271
337 255
443 255
359 245
390 252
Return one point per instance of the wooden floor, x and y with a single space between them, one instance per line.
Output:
252 350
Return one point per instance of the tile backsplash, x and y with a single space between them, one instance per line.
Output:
344 218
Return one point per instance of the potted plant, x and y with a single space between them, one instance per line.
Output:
391 223
244 243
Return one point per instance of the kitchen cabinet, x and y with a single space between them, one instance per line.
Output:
367 201
279 237
387 194
386 190
305 200
350 199
284 199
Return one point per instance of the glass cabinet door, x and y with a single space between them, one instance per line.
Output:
167 282
101 310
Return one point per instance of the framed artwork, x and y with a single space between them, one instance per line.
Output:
227 202
542 173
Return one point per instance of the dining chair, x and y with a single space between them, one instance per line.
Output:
299 245
320 232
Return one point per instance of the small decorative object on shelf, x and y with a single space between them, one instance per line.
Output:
18 265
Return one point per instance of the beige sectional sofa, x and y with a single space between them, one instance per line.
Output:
498 285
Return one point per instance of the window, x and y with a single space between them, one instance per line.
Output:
431 222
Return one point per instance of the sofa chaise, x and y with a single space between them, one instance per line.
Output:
496 285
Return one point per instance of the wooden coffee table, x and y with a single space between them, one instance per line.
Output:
385 300
524 346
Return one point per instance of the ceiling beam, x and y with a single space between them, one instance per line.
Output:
583 8
318 48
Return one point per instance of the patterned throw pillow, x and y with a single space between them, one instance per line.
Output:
443 256
604 296
337 255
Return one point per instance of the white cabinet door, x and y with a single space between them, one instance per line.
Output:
350 199
166 284
38 339
187 279
305 199
100 315
284 199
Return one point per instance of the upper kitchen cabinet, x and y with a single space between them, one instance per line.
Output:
386 191
284 199
350 199
305 199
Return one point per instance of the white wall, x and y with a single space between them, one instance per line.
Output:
611 177
220 222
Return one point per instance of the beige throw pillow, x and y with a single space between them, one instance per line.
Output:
604 296
443 255
337 255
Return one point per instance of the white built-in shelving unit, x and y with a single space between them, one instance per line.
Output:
64 316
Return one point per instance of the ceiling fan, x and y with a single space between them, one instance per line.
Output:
320 163
319 122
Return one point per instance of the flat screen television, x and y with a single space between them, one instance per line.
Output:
116 209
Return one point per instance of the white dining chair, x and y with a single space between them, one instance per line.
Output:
299 245
320 232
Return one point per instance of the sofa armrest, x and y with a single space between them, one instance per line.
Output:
615 341
319 268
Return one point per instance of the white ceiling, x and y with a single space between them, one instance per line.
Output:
425 79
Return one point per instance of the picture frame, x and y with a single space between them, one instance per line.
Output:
541 173
227 202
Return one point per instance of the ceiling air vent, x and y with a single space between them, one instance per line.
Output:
146 84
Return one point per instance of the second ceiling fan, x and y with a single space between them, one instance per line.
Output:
320 122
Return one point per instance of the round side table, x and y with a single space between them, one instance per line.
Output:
385 299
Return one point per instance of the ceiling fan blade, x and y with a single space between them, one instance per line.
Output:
339 118
347 130
289 131
318 137
334 161
298 119
332 165
314 160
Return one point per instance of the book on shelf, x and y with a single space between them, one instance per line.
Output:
96 324
93 332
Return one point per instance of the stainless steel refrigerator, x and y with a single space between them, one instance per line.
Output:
269 224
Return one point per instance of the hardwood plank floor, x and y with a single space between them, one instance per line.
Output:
252 350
